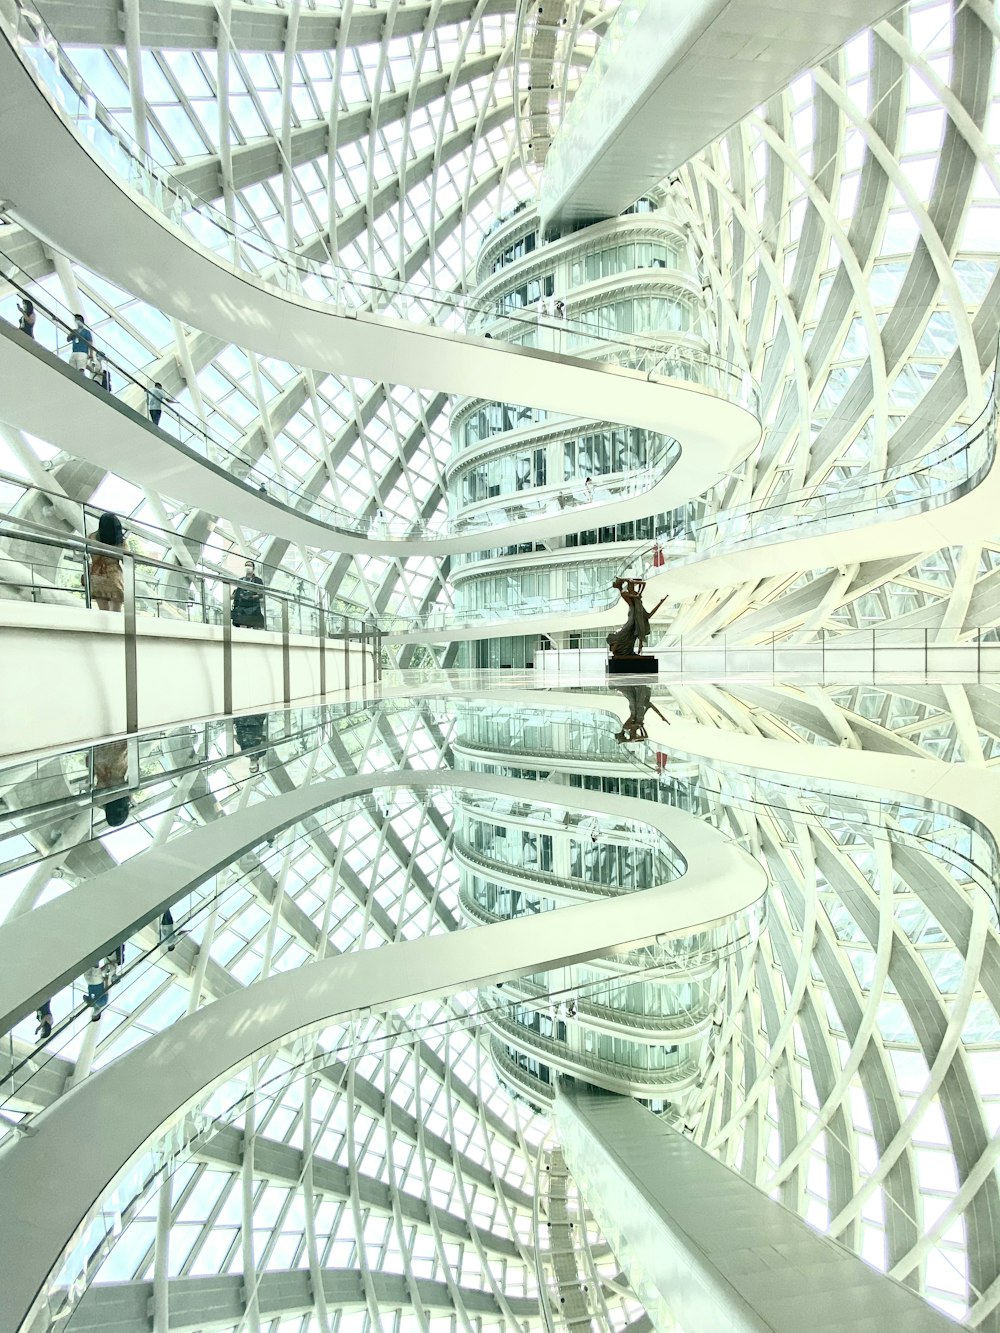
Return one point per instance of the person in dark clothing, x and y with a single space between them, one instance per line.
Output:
168 935
43 1017
248 603
26 309
251 737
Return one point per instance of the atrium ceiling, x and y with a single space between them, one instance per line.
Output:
846 230
848 237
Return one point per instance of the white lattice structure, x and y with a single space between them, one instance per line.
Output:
847 233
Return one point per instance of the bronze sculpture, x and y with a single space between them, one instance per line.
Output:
630 640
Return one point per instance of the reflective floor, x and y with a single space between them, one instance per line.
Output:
835 1039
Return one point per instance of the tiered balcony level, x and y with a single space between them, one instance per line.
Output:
633 276
641 1035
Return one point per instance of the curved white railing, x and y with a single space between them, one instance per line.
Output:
957 465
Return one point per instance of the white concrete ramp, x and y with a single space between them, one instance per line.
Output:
642 111
704 1247
75 205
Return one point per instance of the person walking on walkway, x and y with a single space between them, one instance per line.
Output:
81 344
155 398
26 310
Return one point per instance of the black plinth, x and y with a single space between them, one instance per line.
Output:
633 666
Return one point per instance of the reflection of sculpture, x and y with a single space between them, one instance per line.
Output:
640 701
630 640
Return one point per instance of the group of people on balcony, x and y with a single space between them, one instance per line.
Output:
106 577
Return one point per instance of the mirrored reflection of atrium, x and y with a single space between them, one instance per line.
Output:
390 939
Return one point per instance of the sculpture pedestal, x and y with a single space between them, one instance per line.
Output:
633 666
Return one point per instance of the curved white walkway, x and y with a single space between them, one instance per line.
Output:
43 396
118 234
45 949
968 517
976 791
49 1185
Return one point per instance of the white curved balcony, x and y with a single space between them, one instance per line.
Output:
950 496
186 457
192 262
629 1074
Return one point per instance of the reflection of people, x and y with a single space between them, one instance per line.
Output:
248 603
630 640
110 769
97 991
251 737
640 701
168 934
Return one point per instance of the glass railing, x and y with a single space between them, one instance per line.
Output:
255 254
43 567
51 805
955 466
30 571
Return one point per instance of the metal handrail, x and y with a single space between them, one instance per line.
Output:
150 531
96 128
367 635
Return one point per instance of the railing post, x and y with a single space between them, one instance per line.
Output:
347 657
227 662
86 572
364 656
286 656
321 629
131 647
